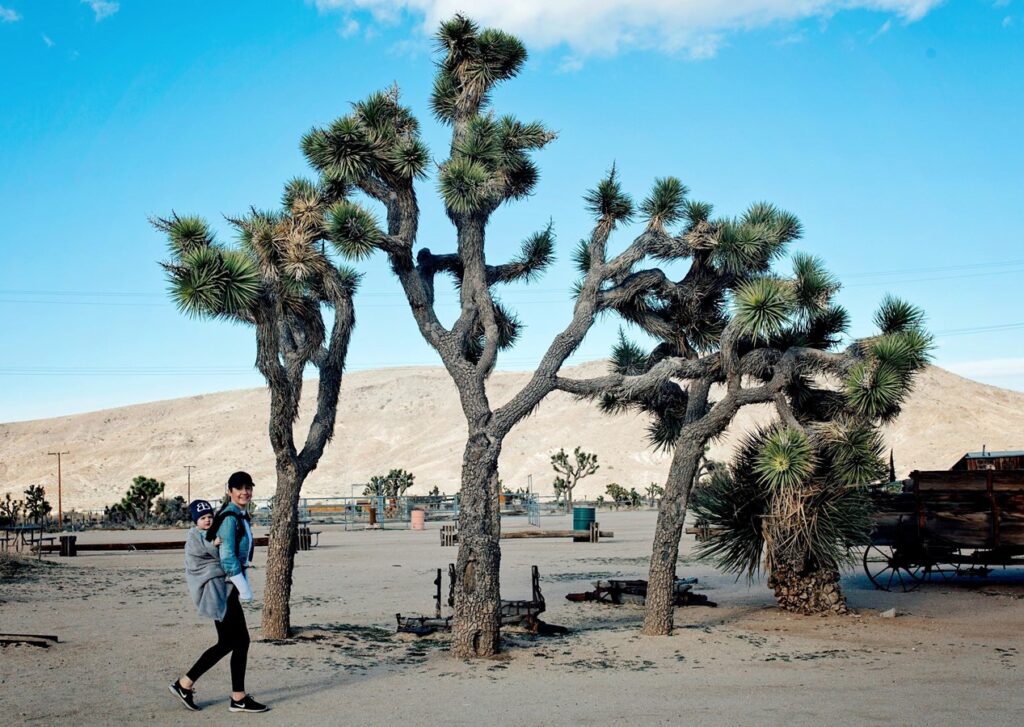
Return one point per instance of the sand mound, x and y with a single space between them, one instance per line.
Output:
410 418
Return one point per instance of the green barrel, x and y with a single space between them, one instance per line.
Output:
582 517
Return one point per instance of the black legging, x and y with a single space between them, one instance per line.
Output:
232 636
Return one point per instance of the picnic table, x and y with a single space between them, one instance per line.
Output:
25 538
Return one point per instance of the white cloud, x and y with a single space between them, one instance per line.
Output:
9 16
47 41
102 8
602 27
1007 21
350 28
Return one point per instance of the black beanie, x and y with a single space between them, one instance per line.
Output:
198 508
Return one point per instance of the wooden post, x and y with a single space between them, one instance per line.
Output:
60 504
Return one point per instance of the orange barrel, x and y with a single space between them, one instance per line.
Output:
418 517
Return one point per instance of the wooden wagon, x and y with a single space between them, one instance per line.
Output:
944 523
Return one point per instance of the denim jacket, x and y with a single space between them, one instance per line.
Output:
235 555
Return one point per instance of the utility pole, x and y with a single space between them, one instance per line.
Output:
189 467
60 504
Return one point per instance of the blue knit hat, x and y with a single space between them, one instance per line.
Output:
198 508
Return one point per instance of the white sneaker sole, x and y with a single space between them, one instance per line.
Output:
189 707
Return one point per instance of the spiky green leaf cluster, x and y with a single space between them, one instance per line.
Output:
380 139
535 255
210 281
664 205
786 459
877 385
463 184
814 284
184 234
474 62
852 452
628 359
895 315
353 230
762 306
607 202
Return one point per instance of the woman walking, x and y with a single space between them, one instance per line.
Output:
217 553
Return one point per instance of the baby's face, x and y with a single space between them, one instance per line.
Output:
204 522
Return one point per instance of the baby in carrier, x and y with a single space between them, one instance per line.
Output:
207 581
216 596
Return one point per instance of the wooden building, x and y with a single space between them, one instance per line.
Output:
983 460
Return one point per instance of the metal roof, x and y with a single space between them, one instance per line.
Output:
987 454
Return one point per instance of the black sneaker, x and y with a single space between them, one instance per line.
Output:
247 704
187 696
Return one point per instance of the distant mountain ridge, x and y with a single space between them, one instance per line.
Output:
410 418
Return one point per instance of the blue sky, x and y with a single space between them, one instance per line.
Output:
892 128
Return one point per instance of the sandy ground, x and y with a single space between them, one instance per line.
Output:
410 418
952 655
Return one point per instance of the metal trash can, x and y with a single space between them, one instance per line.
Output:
68 546
305 539
582 517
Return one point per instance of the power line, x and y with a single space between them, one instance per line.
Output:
972 270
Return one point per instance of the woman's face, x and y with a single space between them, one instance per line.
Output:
204 522
241 496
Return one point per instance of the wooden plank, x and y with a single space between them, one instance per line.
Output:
517 534
155 545
45 637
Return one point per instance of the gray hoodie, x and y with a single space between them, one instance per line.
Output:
205 576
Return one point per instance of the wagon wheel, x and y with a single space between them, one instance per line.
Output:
890 569
945 570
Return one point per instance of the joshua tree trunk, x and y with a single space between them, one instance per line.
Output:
806 588
659 610
281 554
477 588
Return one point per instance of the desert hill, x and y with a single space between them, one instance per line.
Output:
410 418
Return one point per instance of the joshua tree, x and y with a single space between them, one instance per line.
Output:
393 484
653 492
278 279
731 321
137 504
10 510
572 471
36 505
795 494
377 149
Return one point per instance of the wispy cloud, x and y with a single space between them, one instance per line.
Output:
47 41
350 28
886 27
102 8
9 16
603 27
1007 21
